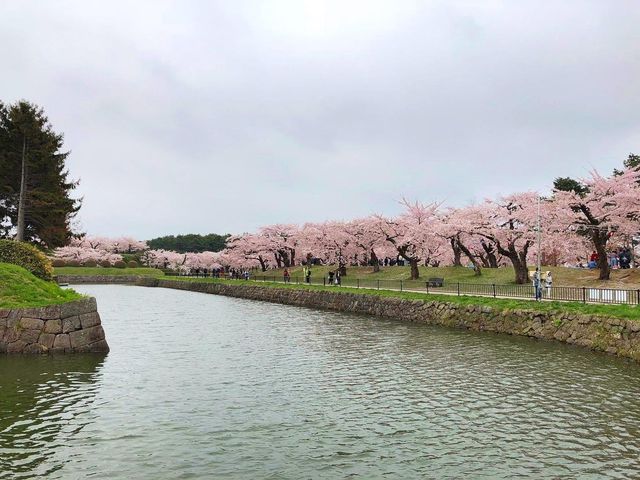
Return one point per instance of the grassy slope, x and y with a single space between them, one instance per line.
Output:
620 311
562 276
629 279
148 272
19 288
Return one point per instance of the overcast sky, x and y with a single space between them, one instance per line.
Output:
202 116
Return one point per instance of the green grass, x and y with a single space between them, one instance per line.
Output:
618 311
19 288
143 271
562 276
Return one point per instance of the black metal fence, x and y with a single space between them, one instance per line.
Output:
564 294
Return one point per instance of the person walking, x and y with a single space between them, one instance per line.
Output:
287 275
330 277
308 275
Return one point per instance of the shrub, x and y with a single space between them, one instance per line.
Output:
90 263
105 263
132 264
58 262
27 256
119 264
73 263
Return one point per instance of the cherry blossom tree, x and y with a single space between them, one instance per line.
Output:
330 242
248 249
84 254
281 241
413 233
602 208
368 238
115 245
510 224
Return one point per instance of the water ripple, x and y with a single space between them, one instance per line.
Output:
199 386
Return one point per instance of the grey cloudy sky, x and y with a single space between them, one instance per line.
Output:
201 116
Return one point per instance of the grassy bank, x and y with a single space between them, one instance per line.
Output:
627 279
562 276
619 311
19 288
142 271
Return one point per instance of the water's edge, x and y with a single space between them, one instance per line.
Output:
614 336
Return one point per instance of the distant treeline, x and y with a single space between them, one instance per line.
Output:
189 243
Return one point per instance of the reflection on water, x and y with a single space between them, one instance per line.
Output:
43 400
200 386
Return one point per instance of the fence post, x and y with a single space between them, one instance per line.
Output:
494 290
584 294
400 285
427 285
458 288
324 281
357 283
638 295
378 284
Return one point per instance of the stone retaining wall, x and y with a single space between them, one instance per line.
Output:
66 328
93 279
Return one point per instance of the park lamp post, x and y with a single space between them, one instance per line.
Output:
539 242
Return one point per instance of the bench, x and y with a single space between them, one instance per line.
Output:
435 282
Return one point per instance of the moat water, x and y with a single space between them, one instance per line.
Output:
203 386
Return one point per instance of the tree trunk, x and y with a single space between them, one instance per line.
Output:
263 264
456 252
376 261
415 272
23 192
484 260
476 265
600 242
520 268
491 256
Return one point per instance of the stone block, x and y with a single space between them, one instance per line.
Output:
96 347
31 323
30 336
90 319
53 326
84 337
47 339
44 313
70 324
61 342
78 307
4 312
16 347
11 334
35 348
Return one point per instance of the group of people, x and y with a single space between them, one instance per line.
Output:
237 274
541 284
618 259
306 273
334 278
